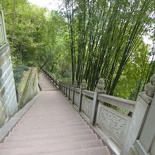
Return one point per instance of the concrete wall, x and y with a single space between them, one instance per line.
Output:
28 87
8 102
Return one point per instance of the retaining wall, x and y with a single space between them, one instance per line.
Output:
8 101
28 87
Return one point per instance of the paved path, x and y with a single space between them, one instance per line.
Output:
52 127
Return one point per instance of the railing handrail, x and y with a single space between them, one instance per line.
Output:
119 102
126 104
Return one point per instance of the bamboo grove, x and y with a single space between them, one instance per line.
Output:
106 39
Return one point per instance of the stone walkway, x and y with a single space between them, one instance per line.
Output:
52 127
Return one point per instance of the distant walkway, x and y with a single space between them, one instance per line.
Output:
45 83
52 127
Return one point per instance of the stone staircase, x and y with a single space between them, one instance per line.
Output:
52 127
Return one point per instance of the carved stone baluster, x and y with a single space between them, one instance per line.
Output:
75 85
63 88
100 88
65 85
83 86
69 92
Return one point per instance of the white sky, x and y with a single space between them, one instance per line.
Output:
147 40
50 4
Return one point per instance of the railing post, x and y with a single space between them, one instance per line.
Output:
74 86
147 137
73 95
99 89
145 143
139 116
58 84
53 80
63 88
69 93
66 90
136 124
83 86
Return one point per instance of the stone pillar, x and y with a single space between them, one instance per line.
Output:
146 141
100 88
83 86
69 92
65 90
75 85
144 101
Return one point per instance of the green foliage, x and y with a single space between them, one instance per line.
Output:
37 36
134 75
18 74
88 39
106 41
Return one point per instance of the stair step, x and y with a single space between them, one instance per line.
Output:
88 151
46 135
43 126
68 113
40 120
51 133
59 128
43 123
54 148
50 117
50 142
49 107
44 130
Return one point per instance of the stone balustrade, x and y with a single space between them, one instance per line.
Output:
118 121
109 122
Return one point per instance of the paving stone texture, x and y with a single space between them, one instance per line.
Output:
52 127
